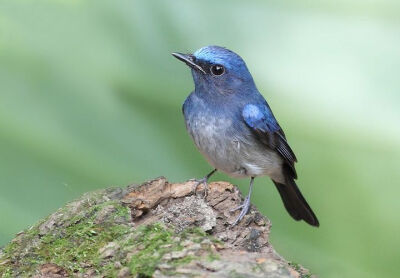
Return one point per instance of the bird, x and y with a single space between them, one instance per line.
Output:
234 128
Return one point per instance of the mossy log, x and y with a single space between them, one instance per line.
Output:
157 229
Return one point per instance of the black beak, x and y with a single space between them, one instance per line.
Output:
188 60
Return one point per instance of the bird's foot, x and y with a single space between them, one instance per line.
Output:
204 181
201 181
244 210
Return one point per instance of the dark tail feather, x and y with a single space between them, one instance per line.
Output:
295 203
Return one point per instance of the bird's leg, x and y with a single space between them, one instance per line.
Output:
245 206
203 180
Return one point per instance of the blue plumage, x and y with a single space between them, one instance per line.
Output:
235 129
260 117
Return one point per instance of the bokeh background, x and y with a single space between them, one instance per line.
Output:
90 97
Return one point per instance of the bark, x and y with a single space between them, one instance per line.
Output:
157 229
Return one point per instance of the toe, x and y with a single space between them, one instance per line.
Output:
237 208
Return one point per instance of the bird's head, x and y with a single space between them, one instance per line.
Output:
217 69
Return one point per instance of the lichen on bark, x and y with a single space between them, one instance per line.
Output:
157 229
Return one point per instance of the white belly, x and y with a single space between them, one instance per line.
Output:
236 156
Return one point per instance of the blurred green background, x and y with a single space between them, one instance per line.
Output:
90 97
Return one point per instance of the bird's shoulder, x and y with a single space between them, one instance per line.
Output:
259 116
260 119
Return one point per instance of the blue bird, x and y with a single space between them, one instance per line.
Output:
233 126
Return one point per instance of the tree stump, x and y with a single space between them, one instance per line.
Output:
157 229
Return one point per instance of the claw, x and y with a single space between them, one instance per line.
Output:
237 208
245 206
245 209
203 180
198 182
241 206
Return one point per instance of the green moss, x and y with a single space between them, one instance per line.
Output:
72 247
213 257
298 268
7 272
81 244
235 274
257 268
150 240
194 231
75 244
155 241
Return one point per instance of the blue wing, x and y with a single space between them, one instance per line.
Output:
264 125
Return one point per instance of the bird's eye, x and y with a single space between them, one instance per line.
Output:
217 70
